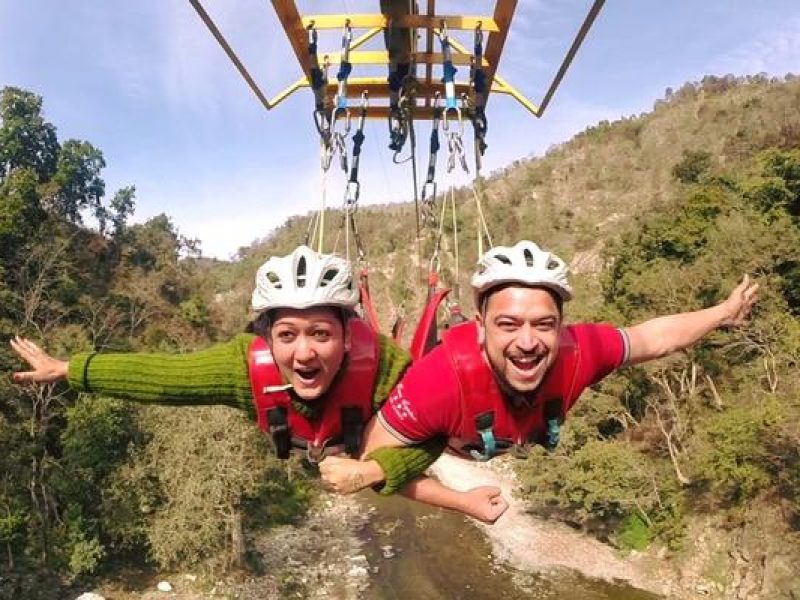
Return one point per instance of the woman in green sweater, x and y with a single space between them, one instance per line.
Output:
311 375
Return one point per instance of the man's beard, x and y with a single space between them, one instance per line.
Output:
518 400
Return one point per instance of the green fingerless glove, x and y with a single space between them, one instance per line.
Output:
403 465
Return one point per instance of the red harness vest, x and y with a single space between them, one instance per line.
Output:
485 411
347 406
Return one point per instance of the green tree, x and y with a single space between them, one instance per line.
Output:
692 167
26 139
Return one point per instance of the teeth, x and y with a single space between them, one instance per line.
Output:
307 374
527 360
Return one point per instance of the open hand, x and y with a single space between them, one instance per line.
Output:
46 369
485 503
740 302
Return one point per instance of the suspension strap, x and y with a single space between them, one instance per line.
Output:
480 89
352 429
341 112
278 422
449 77
398 124
353 189
401 117
399 323
429 187
322 116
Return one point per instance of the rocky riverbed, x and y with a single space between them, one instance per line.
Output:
374 548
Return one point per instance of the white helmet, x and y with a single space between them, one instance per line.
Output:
304 279
524 263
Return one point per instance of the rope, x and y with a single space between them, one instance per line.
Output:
456 285
429 188
311 236
342 113
435 261
483 228
322 116
480 90
413 139
324 173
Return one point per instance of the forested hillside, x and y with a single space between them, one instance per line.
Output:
88 480
660 212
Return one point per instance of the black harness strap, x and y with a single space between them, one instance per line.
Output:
352 429
278 421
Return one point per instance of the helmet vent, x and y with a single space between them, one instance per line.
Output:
503 259
301 272
274 279
329 276
528 257
552 264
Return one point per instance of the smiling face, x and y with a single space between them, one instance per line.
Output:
520 328
308 346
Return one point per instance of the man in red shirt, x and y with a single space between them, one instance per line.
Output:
510 377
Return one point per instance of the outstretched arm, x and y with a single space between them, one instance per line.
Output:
485 503
345 475
216 375
664 335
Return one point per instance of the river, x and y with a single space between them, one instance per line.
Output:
440 555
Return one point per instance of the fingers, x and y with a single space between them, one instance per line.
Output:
16 345
751 294
23 377
745 282
496 509
25 348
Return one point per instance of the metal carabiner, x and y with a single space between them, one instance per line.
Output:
326 152
364 107
351 195
341 115
435 263
429 191
322 123
339 133
446 122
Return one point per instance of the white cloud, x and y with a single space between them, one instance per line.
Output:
230 209
776 52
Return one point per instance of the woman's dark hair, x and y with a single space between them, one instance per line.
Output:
263 321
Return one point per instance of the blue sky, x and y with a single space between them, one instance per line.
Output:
146 83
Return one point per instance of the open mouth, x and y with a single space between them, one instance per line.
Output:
307 376
526 364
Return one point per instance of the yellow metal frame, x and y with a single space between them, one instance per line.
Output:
496 27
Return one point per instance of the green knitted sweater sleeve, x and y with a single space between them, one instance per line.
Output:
219 375
216 375
400 465
394 361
